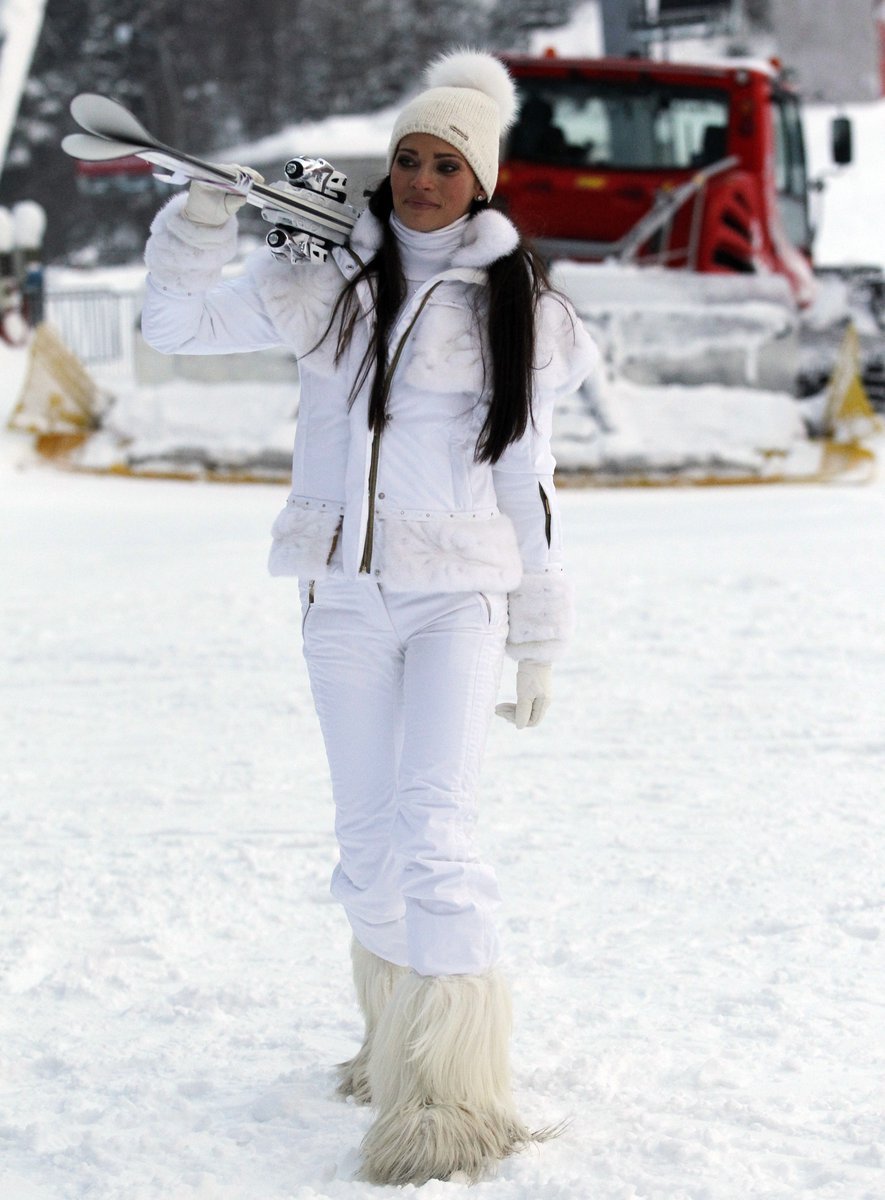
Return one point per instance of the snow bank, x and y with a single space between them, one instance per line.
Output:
625 429
185 425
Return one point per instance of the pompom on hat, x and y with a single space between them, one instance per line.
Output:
470 102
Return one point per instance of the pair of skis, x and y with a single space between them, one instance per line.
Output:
308 209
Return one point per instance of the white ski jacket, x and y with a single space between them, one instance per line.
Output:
410 508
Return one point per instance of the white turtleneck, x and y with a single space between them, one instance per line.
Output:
426 254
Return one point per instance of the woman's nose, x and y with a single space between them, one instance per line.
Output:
423 177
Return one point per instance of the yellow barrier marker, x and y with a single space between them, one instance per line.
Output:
59 398
848 410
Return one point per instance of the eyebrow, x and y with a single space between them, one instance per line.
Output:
439 154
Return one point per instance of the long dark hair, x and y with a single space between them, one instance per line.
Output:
515 284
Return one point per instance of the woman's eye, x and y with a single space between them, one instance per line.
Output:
405 161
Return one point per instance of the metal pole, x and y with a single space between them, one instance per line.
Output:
617 36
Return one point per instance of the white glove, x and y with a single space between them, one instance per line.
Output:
534 691
212 203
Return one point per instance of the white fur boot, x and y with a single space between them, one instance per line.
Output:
439 1074
374 979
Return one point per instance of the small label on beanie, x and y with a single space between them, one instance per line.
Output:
460 132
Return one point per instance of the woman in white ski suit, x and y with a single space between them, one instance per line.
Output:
416 562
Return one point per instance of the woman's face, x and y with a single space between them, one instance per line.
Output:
432 183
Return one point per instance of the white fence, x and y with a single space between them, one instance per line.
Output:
100 326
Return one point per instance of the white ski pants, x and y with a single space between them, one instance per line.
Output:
404 686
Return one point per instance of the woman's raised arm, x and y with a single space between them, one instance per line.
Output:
188 308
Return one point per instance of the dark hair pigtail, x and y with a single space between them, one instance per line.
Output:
390 293
515 285
385 274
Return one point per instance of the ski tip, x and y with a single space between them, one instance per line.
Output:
84 101
104 117
89 148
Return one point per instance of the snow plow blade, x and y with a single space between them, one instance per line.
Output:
824 461
660 327
616 433
698 386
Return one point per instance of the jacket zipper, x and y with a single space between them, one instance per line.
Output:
366 562
548 516
368 544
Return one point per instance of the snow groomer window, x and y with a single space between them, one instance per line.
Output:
790 171
646 125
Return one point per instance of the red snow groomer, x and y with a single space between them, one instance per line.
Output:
694 167
697 171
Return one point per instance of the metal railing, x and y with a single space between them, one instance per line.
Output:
98 325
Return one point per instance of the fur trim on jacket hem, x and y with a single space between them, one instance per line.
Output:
458 552
184 257
542 617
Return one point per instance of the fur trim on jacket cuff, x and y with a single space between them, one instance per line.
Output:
183 257
304 536
542 617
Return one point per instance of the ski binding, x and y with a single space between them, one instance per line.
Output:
295 239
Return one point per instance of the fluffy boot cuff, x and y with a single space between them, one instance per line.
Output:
440 1078
374 979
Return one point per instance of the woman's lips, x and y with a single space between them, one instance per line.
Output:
422 204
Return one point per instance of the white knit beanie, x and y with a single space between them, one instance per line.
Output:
470 103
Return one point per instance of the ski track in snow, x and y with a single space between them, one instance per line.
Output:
689 850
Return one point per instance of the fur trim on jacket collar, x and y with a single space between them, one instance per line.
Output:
488 236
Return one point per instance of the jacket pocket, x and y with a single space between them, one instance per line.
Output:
494 607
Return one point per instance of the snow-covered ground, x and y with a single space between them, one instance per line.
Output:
690 850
